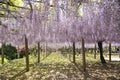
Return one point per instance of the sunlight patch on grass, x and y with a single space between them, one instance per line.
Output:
89 58
55 57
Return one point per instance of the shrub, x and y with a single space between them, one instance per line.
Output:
9 52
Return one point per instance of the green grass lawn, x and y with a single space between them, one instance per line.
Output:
57 66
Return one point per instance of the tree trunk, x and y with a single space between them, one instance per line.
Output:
83 55
38 52
95 52
110 52
74 52
3 53
27 54
101 52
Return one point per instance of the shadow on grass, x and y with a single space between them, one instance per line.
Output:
85 73
2 77
18 74
46 56
77 66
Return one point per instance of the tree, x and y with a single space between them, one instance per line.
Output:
101 22
9 8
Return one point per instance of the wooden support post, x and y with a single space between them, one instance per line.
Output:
27 54
74 53
38 52
83 55
2 53
95 52
110 52
46 49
